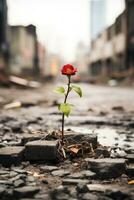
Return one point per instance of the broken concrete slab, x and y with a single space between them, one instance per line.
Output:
41 150
76 137
88 174
48 168
99 187
130 158
26 191
73 181
60 172
107 168
85 174
11 155
87 196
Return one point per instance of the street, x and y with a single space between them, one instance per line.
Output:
105 111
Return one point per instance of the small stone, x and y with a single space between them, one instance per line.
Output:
30 179
88 174
45 181
60 172
118 108
4 172
26 191
130 158
48 168
60 193
90 196
61 196
130 170
41 197
71 181
117 194
11 155
20 171
98 187
6 182
102 152
12 174
2 191
41 150
19 183
19 176
107 168
118 153
82 188
74 137
76 175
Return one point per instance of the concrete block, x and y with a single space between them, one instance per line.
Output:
41 150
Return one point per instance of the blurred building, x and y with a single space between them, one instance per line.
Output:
42 59
97 17
112 52
4 39
24 50
82 58
53 62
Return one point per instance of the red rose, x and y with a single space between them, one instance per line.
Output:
68 70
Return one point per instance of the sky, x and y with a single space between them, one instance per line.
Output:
61 24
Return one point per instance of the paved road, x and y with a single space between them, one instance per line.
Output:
107 111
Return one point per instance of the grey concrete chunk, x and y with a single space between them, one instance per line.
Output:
98 187
61 172
75 137
107 167
90 196
19 183
130 158
11 155
2 190
41 150
88 174
73 181
48 168
26 191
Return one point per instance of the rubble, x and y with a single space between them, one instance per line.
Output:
99 187
23 82
11 155
41 150
70 177
60 172
79 138
130 158
26 191
73 181
107 168
48 168
15 104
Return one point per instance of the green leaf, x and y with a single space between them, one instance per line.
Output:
65 108
77 90
59 90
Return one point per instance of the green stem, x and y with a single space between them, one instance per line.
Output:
63 115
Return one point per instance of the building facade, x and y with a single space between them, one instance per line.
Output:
4 39
112 52
42 59
24 50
